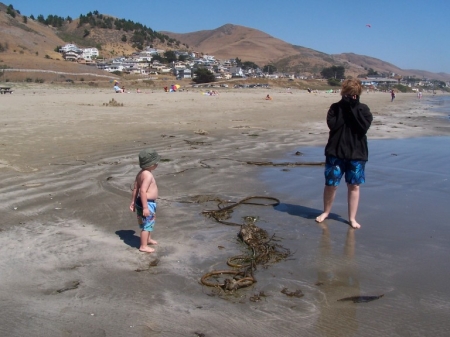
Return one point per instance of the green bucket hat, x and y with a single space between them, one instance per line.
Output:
148 157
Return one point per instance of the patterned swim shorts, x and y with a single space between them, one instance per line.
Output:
335 168
146 223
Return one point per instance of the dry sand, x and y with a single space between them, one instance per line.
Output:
68 243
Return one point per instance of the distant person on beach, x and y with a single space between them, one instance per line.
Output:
392 95
268 98
118 89
143 198
346 151
419 94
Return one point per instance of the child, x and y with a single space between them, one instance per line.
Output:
346 151
143 198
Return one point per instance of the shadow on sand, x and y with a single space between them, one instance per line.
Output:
128 237
305 212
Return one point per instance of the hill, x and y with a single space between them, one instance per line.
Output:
28 43
231 41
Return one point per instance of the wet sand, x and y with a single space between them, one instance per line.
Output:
69 244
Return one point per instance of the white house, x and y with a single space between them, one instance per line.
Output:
70 47
183 73
114 67
90 53
237 72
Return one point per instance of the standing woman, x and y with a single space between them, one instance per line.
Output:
346 151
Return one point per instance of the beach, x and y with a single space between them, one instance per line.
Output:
69 244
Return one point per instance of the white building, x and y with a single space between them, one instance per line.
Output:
70 47
90 53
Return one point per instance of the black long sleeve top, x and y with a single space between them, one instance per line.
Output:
348 121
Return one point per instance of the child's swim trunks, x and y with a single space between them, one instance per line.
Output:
146 223
336 167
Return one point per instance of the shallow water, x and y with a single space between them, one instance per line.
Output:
401 251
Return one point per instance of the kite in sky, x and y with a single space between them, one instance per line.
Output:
368 26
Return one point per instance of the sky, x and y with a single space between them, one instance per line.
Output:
409 34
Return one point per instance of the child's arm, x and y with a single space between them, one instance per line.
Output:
133 197
147 179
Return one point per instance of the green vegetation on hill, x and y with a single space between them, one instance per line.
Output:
142 35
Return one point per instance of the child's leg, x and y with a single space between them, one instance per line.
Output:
329 193
150 241
144 239
353 201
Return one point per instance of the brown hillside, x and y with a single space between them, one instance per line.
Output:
31 45
230 41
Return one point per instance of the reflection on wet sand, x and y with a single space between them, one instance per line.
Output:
336 278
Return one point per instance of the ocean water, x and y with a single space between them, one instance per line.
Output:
400 252
441 104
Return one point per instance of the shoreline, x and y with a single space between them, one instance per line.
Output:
51 123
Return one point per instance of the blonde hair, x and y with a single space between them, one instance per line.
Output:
351 87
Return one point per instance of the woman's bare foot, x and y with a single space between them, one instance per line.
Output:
152 242
146 249
354 224
322 217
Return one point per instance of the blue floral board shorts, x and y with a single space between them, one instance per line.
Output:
335 168
146 223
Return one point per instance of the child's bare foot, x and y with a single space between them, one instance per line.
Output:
146 249
152 242
354 224
322 217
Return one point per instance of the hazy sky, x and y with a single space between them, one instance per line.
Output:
410 34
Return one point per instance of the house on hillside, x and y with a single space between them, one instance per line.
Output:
90 53
237 72
70 47
182 73
71 56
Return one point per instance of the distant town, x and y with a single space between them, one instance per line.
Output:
185 64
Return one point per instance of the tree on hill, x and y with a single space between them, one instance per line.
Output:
269 68
203 75
334 82
371 72
170 56
335 72
10 10
249 65
142 34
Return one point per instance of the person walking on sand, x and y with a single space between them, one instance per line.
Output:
392 95
346 151
143 198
